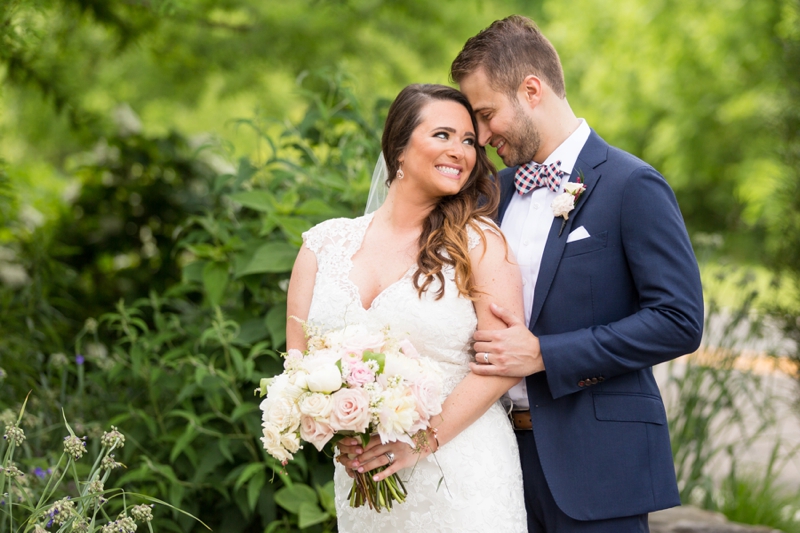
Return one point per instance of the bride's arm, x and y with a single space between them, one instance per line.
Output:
298 297
499 280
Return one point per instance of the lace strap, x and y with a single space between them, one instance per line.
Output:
337 236
485 224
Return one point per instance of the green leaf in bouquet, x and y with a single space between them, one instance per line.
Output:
262 387
377 357
291 498
310 514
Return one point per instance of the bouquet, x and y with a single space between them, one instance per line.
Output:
351 382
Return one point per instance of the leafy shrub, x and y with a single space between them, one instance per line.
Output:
177 367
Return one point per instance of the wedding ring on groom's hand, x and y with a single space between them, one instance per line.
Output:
485 358
390 457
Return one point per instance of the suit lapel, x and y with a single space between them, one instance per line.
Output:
593 154
506 178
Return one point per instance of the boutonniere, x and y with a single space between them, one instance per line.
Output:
566 201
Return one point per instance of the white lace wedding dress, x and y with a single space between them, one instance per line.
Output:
482 487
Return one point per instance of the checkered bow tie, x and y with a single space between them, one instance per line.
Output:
532 175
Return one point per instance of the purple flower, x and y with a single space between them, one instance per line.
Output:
79 359
40 472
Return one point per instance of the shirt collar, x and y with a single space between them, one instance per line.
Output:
569 150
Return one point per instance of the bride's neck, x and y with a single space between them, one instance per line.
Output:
404 214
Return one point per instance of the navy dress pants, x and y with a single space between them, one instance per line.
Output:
544 516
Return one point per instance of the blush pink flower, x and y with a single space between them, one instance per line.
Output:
408 349
350 410
428 394
360 374
315 432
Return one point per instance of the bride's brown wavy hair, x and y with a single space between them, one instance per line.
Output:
444 239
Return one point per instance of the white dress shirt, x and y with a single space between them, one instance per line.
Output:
526 225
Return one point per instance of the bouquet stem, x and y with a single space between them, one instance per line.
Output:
377 494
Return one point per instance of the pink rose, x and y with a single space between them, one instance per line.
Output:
428 394
359 374
350 410
408 349
351 357
315 432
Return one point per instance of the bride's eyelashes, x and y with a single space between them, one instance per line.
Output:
444 135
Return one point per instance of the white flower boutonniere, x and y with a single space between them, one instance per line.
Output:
566 201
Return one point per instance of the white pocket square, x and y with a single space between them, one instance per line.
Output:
578 234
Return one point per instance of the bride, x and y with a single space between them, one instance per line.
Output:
428 263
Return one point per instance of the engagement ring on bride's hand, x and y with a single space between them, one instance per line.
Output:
390 457
485 358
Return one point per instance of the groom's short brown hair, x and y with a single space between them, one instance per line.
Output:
508 51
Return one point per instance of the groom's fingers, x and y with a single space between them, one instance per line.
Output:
513 352
486 370
505 315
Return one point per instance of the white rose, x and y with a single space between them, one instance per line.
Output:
272 443
562 205
316 405
283 414
573 188
326 379
290 441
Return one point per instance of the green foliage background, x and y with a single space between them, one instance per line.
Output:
159 160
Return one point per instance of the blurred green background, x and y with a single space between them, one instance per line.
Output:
159 160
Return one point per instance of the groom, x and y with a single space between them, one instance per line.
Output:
611 288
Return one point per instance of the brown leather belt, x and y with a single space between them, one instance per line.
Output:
521 420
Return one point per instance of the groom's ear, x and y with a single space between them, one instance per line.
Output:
531 90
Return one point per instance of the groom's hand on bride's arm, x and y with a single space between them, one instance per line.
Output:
513 351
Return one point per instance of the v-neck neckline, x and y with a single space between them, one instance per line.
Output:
365 228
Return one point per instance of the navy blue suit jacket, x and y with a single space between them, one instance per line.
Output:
606 309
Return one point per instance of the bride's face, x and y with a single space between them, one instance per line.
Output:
441 153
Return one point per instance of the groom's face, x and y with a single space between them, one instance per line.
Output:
503 122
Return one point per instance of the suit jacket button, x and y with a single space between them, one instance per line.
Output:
594 380
601 379
581 383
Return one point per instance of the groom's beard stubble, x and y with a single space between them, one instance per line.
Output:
522 139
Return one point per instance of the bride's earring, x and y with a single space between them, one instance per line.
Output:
400 175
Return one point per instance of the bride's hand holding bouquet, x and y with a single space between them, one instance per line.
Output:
353 382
